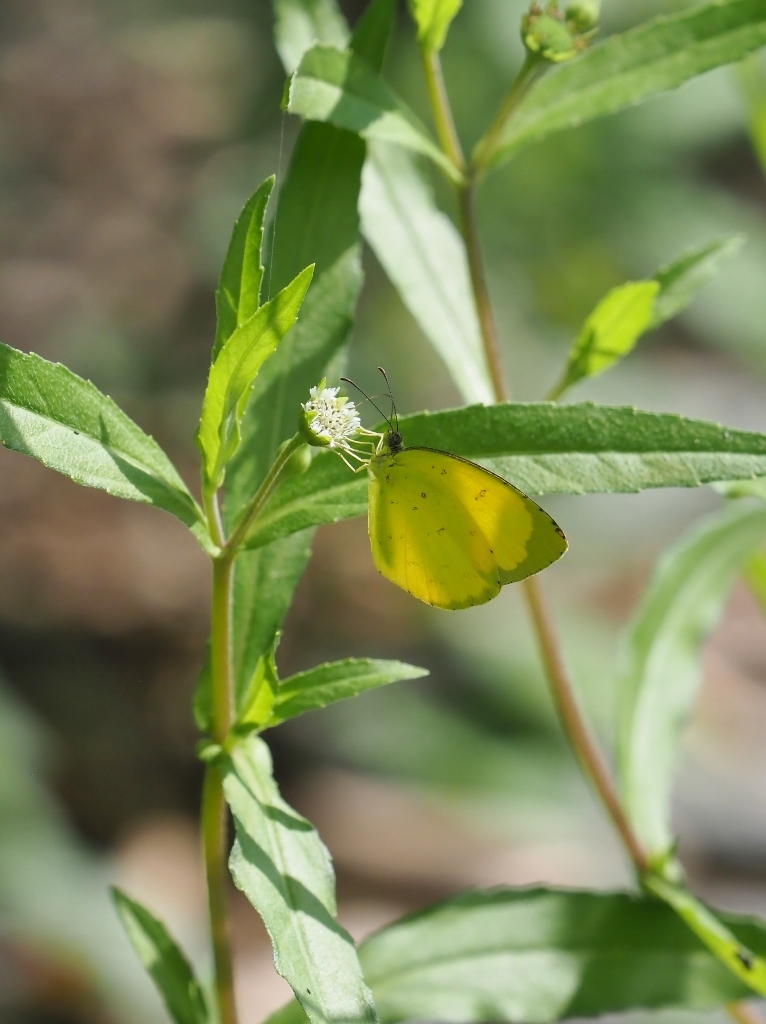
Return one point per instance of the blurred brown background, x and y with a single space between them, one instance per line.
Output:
131 132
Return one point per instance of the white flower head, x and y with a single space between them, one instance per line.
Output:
330 420
334 418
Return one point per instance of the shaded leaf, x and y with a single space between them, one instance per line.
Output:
334 681
540 447
421 251
65 422
433 18
284 869
233 374
660 663
610 332
337 86
543 955
261 692
163 959
681 279
629 68
239 286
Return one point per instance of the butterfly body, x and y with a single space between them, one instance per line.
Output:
450 532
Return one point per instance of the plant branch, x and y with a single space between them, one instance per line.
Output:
574 723
570 713
534 67
440 106
214 815
262 495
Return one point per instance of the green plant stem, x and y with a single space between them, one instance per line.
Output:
440 106
533 67
215 847
214 814
239 536
572 718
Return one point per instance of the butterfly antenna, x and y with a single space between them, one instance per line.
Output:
348 380
394 413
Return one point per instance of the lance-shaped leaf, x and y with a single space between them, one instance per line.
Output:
334 681
317 222
239 286
284 869
299 24
65 422
610 332
627 69
421 251
337 86
433 18
680 280
543 955
164 960
543 449
660 665
233 374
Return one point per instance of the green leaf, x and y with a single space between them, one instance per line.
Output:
334 681
258 699
300 24
284 869
660 664
540 447
610 332
755 576
753 82
712 930
424 256
165 962
433 18
46 411
627 69
542 955
264 584
233 374
316 222
239 286
337 86
680 280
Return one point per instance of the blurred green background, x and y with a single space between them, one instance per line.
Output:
131 132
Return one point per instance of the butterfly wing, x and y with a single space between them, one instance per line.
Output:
452 533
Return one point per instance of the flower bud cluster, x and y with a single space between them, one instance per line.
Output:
555 35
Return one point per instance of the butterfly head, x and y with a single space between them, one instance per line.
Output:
393 442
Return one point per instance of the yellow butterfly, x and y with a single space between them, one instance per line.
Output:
448 531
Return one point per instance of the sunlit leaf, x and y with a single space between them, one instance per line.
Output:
680 280
610 332
239 286
337 86
422 252
334 681
284 869
233 374
299 24
163 959
65 422
540 956
540 447
629 68
433 19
